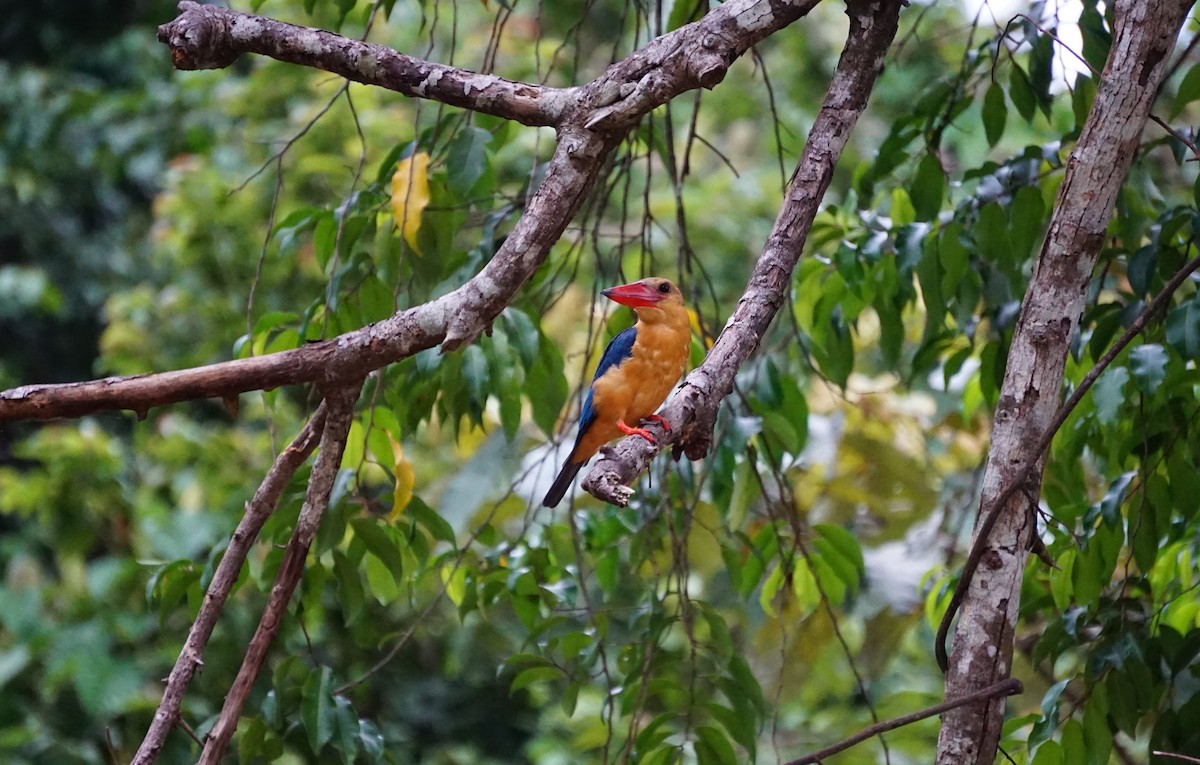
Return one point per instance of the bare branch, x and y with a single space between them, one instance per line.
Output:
258 510
1007 687
692 56
1145 31
212 37
340 403
693 410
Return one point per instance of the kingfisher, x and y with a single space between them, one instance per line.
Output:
637 371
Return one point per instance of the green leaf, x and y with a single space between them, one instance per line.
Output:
523 335
1072 742
1025 221
1049 753
991 235
380 543
954 257
1096 37
779 428
431 520
351 597
528 677
844 544
372 740
1020 90
1097 738
475 372
1082 98
318 710
466 159
375 299
1109 394
272 319
1149 365
902 211
995 113
347 729
685 12
1041 70
662 756
712 748
1189 90
746 684
356 446
1183 328
547 387
1109 507
834 350
1141 270
1044 728
928 188
742 727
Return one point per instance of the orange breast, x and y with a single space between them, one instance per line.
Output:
638 386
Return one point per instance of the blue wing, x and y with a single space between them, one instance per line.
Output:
617 351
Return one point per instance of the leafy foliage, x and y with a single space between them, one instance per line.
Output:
443 617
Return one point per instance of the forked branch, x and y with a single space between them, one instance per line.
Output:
340 404
258 510
692 412
591 122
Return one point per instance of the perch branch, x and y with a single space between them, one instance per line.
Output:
258 510
340 402
693 410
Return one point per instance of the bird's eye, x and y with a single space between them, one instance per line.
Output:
664 288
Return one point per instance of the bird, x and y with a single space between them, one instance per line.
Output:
637 371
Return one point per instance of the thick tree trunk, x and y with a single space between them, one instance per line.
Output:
1145 34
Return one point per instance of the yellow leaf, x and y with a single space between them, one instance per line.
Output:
410 195
694 320
405 481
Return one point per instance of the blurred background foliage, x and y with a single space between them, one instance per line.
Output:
754 606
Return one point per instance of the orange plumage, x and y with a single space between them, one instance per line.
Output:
637 371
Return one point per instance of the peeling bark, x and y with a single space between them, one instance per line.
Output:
211 37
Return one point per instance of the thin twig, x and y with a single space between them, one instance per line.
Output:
258 509
1007 687
340 403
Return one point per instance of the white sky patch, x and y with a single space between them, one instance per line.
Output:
1062 15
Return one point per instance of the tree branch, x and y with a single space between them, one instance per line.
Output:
1020 482
1145 31
258 510
340 403
693 410
212 37
1007 687
692 56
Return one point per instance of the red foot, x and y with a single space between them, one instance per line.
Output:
636 432
659 419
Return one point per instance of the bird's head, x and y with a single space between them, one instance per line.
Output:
653 299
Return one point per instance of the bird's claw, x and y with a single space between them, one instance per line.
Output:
659 419
637 432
